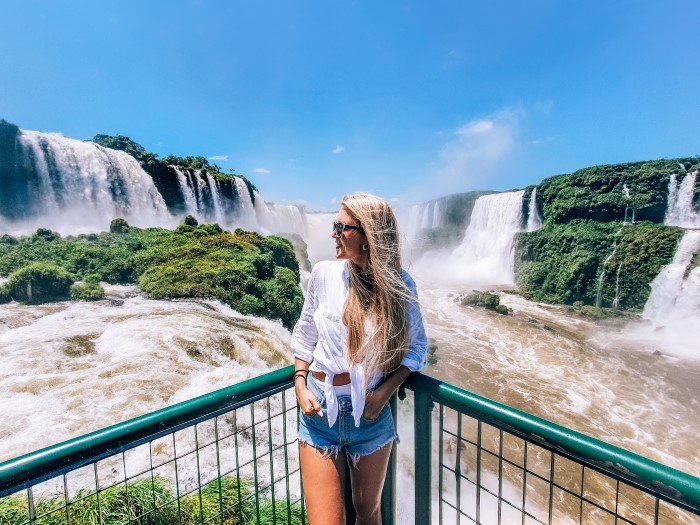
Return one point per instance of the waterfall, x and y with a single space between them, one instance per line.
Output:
187 190
216 199
486 253
280 218
675 293
616 300
534 221
417 218
246 217
601 278
679 211
83 186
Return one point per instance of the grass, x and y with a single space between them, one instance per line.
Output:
225 501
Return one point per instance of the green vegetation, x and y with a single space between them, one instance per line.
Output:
588 233
598 193
151 164
562 263
488 300
432 351
253 274
39 282
89 290
147 501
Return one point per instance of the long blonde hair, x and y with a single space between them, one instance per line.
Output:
380 294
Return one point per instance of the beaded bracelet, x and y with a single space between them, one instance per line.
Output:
300 373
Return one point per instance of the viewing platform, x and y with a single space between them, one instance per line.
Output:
231 457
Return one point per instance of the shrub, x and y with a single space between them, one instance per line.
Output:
118 226
40 282
46 234
86 292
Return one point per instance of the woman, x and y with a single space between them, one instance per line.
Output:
359 336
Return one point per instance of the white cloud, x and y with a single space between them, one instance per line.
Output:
473 155
218 157
262 171
338 149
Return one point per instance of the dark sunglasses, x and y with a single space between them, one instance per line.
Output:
339 228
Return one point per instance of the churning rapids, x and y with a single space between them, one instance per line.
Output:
70 368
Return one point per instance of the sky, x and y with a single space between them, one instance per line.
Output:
412 101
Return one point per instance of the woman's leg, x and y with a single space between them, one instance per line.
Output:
367 479
323 475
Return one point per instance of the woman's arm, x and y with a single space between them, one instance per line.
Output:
306 399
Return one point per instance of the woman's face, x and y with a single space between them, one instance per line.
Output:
348 245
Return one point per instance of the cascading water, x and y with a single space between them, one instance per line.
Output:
601 277
418 218
675 292
534 221
83 186
280 218
187 191
216 199
486 253
680 211
246 216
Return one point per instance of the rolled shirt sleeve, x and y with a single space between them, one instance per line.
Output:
305 333
416 356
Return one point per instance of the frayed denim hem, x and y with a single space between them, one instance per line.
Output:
353 459
326 452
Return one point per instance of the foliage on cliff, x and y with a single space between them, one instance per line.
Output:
160 170
563 263
253 274
588 249
598 193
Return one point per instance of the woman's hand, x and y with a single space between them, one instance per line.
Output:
308 404
374 403
376 399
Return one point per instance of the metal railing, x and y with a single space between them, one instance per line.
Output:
496 464
220 458
231 457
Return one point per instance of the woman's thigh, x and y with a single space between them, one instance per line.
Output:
323 477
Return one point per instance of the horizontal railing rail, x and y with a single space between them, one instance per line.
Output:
679 489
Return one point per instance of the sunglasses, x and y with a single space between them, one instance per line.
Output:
339 228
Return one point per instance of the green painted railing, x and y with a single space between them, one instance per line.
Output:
231 457
622 487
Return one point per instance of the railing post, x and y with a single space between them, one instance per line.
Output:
389 490
422 406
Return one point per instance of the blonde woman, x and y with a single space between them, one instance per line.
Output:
359 336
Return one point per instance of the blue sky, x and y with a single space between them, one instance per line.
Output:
409 100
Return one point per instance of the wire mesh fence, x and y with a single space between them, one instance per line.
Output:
231 457
494 465
236 466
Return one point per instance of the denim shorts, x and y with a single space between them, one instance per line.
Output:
360 441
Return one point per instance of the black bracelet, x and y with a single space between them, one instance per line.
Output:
300 373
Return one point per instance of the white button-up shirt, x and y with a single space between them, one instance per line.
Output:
320 337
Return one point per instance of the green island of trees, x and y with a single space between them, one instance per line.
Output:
255 275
